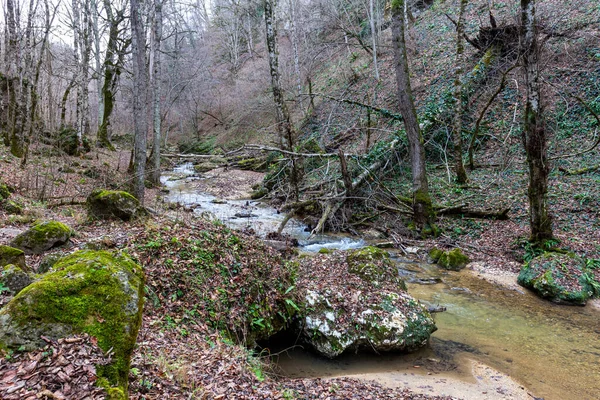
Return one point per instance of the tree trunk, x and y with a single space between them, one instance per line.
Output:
284 126
423 214
461 174
373 36
113 64
534 133
156 76
140 103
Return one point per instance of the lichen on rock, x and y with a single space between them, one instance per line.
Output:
106 204
94 292
453 259
41 237
353 301
561 278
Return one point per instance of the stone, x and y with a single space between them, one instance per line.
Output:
108 204
12 207
10 255
453 260
95 292
354 306
41 237
561 278
14 279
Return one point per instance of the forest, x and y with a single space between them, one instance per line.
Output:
299 199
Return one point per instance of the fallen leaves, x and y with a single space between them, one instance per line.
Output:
63 369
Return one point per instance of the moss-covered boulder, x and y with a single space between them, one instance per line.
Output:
94 292
373 265
107 204
4 192
10 255
562 278
12 207
454 259
14 279
41 237
347 305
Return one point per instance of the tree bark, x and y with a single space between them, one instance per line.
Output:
155 65
461 174
287 136
423 214
534 132
140 103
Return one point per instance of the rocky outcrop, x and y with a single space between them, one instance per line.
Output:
355 301
561 278
107 204
93 292
42 237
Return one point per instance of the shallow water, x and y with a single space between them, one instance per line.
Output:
552 350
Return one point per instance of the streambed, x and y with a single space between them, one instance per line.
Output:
552 350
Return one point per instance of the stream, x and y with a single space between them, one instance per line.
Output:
552 350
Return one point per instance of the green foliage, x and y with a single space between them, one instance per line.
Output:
205 145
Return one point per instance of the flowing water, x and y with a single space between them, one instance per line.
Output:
552 350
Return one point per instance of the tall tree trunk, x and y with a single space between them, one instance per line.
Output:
140 100
98 63
294 37
155 65
373 36
423 214
112 66
461 174
285 130
534 132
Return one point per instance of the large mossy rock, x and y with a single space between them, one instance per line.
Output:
106 204
453 260
94 292
355 301
10 255
41 237
561 278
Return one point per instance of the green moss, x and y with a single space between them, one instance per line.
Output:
94 292
325 250
42 237
453 260
10 255
4 192
12 207
373 265
113 204
559 277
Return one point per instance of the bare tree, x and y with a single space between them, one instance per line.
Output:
461 174
287 135
140 99
114 60
155 71
534 131
423 214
